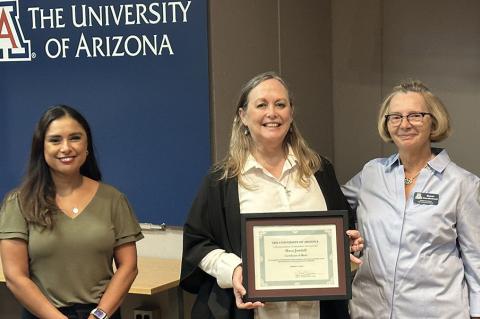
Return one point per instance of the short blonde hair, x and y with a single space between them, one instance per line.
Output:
440 119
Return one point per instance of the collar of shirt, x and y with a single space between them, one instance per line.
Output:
438 163
252 164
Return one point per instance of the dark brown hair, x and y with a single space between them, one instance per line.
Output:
37 191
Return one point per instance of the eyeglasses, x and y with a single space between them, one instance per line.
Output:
412 118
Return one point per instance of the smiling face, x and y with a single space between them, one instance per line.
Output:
408 137
268 114
65 146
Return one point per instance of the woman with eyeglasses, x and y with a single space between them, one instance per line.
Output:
419 214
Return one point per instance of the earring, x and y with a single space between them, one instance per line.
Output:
246 132
86 152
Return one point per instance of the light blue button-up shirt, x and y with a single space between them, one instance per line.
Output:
421 260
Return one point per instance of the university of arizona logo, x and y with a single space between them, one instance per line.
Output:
13 46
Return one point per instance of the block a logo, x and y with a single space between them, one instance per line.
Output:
13 46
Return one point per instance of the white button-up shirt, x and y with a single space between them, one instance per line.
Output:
265 193
421 259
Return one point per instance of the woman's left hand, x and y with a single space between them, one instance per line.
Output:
356 245
239 291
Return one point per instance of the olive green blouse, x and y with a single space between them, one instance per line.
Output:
72 263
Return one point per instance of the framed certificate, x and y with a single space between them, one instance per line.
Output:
296 256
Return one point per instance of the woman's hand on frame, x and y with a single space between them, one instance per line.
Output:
356 245
239 291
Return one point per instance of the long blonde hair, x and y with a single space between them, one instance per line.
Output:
241 144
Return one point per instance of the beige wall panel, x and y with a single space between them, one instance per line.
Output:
243 42
357 74
305 62
437 42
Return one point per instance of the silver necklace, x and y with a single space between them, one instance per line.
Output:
409 181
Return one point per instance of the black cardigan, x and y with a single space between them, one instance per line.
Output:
214 222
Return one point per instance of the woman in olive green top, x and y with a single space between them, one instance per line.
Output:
62 228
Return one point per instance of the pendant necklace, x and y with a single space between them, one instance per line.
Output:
287 190
409 181
287 180
72 195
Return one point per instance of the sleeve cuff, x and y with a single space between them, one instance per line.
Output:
227 264
15 235
128 239
220 265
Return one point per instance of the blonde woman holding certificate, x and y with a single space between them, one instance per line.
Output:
269 167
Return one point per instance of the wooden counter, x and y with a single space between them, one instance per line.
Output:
154 275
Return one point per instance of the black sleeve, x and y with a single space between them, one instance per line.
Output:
206 229
197 240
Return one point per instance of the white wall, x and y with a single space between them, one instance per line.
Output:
163 244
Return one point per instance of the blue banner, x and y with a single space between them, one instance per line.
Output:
137 70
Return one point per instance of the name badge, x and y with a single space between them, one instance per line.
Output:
425 198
